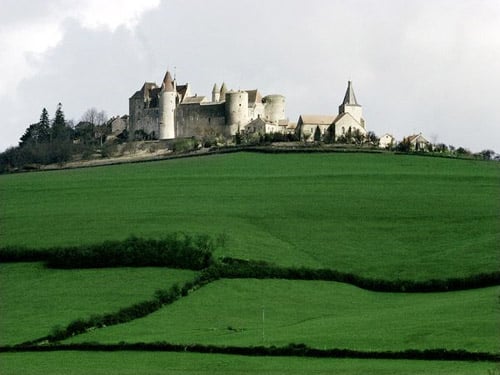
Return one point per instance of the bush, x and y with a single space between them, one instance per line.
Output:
176 250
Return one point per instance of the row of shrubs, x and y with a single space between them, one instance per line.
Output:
295 350
195 252
237 268
176 250
126 314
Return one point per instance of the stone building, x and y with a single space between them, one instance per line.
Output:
348 121
171 111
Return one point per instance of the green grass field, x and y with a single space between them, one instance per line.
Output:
34 299
377 215
136 363
388 216
318 314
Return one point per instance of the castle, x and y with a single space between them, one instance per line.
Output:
171 111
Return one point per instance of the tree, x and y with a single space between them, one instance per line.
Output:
358 137
404 145
37 133
487 154
317 134
372 138
98 120
60 132
44 126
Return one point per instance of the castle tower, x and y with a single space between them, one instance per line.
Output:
350 105
236 110
215 93
167 108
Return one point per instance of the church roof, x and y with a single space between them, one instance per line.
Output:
168 82
350 98
317 119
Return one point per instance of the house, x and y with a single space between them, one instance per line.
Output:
417 142
386 141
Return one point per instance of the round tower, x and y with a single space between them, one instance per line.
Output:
274 108
215 93
167 108
236 109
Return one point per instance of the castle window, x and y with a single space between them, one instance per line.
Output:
343 130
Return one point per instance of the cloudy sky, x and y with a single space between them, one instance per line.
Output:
430 66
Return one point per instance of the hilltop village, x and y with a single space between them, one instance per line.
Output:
170 111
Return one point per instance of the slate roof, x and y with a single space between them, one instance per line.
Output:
168 82
193 100
254 96
350 98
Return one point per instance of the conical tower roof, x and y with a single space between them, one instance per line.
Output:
223 90
350 98
168 82
216 88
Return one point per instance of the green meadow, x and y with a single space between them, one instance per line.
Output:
381 216
153 363
133 363
319 314
34 299
387 216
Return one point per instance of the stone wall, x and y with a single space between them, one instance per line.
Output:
201 120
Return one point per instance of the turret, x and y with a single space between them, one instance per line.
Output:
350 105
167 108
215 93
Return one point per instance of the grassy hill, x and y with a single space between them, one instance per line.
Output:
375 215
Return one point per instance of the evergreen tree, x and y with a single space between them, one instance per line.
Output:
60 132
44 126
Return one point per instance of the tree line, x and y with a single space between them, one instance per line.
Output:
56 140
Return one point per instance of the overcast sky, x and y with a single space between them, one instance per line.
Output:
430 66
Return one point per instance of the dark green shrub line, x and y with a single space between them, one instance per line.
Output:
126 314
176 250
236 268
291 350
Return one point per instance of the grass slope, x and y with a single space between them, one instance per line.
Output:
319 314
388 216
35 299
136 363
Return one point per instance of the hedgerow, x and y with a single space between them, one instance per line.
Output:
237 268
291 350
175 250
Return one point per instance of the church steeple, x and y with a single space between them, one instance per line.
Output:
168 83
349 98
351 106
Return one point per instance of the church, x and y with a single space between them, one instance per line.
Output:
348 121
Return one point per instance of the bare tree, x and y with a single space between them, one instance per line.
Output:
98 119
